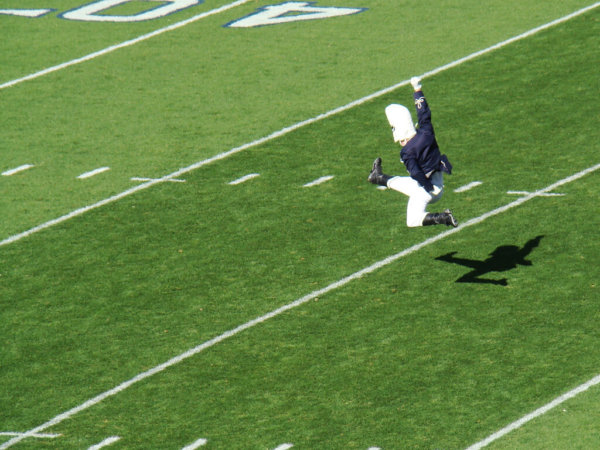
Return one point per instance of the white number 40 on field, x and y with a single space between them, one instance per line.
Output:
99 11
290 12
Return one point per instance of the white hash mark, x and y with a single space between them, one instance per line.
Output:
91 173
319 181
105 443
466 187
244 178
10 172
194 445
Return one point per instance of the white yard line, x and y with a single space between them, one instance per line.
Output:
281 132
99 398
301 301
537 413
223 8
512 40
121 45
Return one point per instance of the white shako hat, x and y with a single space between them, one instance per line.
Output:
401 122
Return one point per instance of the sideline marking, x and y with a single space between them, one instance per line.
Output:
10 172
319 181
105 443
469 186
91 173
307 298
194 445
538 412
244 178
281 132
124 44
284 447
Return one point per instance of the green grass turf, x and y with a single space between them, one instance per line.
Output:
571 425
403 358
148 110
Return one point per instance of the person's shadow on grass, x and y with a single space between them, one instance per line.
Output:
504 258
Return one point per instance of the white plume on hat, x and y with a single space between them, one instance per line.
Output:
401 122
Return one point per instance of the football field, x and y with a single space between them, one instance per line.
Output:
191 255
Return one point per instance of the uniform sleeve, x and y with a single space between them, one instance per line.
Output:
423 112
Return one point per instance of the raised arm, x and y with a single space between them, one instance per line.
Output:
423 111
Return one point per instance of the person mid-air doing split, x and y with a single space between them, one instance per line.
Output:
425 164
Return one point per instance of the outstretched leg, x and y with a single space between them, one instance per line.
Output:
377 176
418 197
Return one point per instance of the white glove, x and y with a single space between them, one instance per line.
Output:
416 83
436 191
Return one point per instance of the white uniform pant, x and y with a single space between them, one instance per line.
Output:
418 197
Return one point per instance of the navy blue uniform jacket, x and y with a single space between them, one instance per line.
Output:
421 155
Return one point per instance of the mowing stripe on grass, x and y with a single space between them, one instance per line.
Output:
124 44
283 131
307 298
538 412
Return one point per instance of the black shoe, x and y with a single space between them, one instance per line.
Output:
377 176
450 219
376 172
443 218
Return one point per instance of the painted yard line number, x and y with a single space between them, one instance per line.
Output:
98 11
